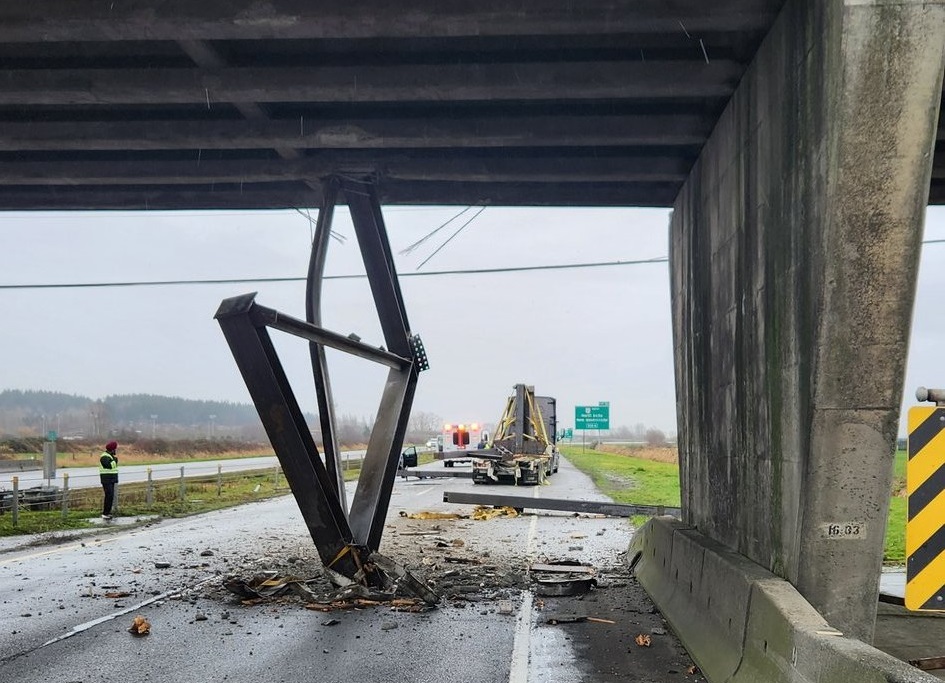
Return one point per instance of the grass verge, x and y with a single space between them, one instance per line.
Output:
627 479
168 498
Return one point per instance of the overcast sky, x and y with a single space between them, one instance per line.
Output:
583 335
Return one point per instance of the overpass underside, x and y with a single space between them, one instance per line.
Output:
797 142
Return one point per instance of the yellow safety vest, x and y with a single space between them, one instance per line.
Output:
114 464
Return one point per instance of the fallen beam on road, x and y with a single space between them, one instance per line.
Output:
586 506
431 474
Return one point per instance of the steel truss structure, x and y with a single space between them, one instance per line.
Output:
347 541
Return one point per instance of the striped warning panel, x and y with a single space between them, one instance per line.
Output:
925 528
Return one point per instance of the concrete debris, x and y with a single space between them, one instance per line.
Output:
140 626
162 565
505 607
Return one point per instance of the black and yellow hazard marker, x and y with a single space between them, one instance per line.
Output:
925 528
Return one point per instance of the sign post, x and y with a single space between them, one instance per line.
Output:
592 417
925 528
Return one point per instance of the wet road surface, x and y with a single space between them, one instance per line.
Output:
59 623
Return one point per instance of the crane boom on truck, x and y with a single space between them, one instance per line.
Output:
523 449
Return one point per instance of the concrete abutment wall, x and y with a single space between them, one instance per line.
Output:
794 248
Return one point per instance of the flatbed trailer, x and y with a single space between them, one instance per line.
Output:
523 449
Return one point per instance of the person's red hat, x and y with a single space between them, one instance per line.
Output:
111 445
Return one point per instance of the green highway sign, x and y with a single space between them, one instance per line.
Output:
592 417
568 433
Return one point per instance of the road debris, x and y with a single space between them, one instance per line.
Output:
483 512
427 514
140 626
643 640
563 577
576 619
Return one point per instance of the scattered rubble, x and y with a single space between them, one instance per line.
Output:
140 626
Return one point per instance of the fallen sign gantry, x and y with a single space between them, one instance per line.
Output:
589 507
347 538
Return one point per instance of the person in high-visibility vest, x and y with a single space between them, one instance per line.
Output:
108 473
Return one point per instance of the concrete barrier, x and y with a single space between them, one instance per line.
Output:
20 465
743 624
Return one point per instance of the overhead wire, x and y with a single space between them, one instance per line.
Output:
411 247
355 276
352 276
459 230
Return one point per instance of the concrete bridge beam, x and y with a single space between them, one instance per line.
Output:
794 249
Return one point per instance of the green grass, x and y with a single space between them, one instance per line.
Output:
201 494
895 551
634 480
627 479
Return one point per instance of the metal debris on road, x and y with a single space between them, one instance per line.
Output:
562 586
563 577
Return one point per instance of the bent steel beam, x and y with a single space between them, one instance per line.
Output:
345 542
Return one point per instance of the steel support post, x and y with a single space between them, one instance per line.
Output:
313 314
344 541
372 498
272 395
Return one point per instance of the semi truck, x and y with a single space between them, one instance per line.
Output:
523 450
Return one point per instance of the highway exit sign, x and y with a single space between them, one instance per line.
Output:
592 417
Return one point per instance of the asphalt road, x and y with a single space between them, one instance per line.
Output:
59 624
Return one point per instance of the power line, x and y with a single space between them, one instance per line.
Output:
356 276
458 230
423 239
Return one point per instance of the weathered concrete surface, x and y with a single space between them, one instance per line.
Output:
794 247
741 623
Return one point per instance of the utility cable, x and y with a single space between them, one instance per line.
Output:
459 230
356 276
423 239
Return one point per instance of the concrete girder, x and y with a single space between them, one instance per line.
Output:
63 20
627 80
429 132
794 249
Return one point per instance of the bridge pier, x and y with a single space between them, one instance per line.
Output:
794 249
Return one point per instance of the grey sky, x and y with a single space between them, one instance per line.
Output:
587 335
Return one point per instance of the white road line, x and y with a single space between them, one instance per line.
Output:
423 491
521 646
